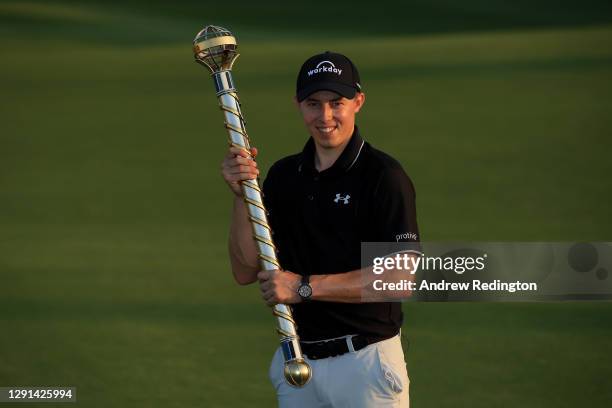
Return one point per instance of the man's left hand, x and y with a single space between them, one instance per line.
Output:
278 286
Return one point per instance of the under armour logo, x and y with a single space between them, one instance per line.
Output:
344 199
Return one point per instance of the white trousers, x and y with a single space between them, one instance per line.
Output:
373 377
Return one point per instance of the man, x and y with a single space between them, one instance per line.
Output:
322 203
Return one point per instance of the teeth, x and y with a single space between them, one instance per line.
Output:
327 129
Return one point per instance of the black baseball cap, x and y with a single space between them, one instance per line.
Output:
328 71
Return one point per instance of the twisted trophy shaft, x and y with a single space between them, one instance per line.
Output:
216 49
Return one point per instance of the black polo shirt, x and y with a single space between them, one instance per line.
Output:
319 220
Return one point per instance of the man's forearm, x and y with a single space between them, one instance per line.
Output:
342 287
357 286
242 249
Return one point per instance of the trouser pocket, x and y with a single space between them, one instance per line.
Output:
275 372
393 376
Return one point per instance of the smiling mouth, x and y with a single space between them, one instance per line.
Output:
326 130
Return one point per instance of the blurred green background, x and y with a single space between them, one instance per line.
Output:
113 215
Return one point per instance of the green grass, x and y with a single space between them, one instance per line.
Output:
113 215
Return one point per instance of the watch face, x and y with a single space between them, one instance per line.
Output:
305 291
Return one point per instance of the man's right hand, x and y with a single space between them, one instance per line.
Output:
238 166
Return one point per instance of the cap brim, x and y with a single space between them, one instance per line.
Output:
341 89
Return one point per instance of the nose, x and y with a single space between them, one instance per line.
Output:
326 112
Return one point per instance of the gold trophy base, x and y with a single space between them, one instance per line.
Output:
297 372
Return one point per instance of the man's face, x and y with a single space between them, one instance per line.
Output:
330 118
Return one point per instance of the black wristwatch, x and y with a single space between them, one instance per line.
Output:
305 290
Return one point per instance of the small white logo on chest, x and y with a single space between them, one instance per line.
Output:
345 199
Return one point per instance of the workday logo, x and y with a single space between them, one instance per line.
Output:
325 66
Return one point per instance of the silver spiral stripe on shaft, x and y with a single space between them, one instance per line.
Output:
234 123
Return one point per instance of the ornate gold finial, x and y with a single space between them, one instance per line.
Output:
215 48
297 372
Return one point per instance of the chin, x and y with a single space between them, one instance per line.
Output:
327 142
323 138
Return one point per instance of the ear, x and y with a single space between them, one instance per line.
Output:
359 101
295 101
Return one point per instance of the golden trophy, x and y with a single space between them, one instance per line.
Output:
216 49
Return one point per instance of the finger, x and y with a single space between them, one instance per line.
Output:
242 169
265 286
233 178
243 160
263 275
234 160
270 298
239 168
267 295
239 151
270 302
254 152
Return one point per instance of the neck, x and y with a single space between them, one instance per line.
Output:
326 157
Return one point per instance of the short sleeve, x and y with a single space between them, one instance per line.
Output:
395 208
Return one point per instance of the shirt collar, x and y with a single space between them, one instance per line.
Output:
343 163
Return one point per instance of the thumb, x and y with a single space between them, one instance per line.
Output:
254 151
